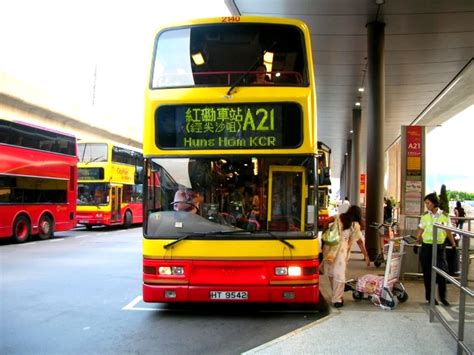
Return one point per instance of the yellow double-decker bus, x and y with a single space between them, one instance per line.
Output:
231 162
110 185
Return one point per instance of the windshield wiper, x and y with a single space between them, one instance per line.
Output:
92 160
200 234
288 244
254 65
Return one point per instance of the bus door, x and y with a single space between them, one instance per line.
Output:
116 204
287 190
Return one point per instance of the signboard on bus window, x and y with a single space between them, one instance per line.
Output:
90 173
232 126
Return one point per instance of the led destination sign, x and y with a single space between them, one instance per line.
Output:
254 126
90 173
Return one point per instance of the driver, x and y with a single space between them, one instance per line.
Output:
187 200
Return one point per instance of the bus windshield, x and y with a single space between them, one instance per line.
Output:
228 54
257 195
92 194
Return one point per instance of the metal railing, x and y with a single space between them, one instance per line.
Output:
461 285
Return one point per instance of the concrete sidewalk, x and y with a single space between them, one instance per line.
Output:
361 327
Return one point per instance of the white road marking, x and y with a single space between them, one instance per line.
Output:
24 244
135 301
138 299
56 240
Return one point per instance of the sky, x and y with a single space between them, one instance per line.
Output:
449 154
90 58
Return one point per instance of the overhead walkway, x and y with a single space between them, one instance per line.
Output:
361 327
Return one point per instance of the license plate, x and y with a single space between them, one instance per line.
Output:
82 221
228 295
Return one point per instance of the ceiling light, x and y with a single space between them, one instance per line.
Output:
357 103
351 131
198 58
361 89
268 57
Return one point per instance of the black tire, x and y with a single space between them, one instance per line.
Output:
45 227
402 297
21 229
127 220
356 295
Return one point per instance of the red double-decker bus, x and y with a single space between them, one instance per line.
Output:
38 181
110 186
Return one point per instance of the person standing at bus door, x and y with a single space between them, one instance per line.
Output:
424 233
277 205
351 226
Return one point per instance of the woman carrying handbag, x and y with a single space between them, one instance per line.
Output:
336 256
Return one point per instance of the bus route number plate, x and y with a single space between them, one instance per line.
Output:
228 295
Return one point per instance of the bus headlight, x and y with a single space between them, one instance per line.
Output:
294 271
171 270
288 271
281 271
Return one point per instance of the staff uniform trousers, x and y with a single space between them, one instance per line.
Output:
425 259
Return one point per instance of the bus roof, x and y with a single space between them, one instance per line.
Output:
237 19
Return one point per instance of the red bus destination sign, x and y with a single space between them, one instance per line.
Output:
256 126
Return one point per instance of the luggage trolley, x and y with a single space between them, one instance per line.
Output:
383 291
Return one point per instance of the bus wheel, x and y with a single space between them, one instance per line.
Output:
21 229
127 220
45 227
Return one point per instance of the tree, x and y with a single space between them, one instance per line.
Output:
443 199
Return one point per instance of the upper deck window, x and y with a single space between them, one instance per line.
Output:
221 54
92 152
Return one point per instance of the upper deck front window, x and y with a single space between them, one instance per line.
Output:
92 152
250 54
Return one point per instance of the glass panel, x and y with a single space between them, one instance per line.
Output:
92 152
173 62
32 190
233 191
224 54
92 194
286 201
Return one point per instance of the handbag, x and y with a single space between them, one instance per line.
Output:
332 235
330 253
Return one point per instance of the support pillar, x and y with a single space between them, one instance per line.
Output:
375 125
347 159
355 160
